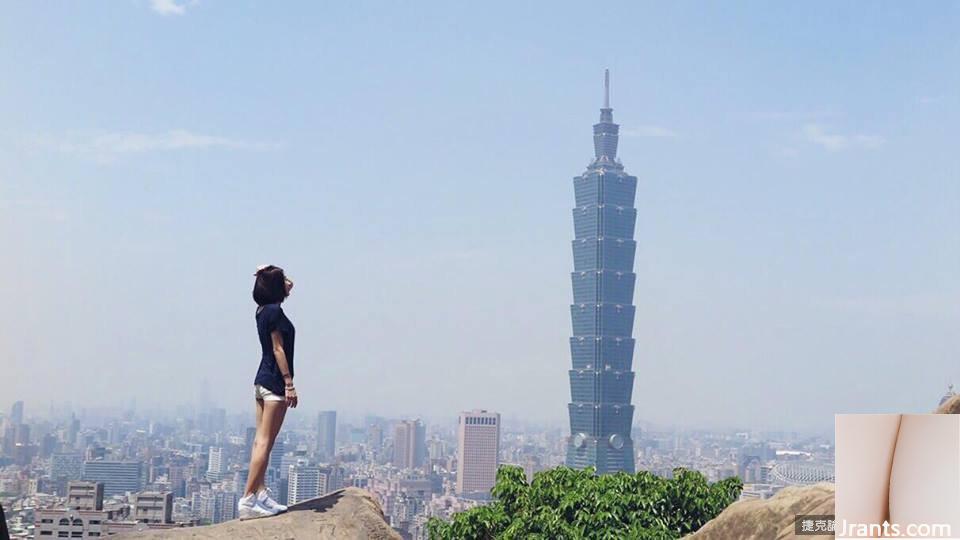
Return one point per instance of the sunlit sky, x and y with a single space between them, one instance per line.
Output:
411 164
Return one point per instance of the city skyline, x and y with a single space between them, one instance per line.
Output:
135 470
797 204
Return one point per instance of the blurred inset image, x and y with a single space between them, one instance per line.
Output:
897 475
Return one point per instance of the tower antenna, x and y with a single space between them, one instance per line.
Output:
606 89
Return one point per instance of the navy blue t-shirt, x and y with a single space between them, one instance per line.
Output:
269 318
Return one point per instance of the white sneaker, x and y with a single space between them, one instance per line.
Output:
249 507
267 502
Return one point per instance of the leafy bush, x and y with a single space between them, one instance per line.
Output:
565 503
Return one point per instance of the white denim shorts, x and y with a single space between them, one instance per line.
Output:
266 395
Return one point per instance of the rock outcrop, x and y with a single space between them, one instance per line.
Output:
774 517
950 406
771 518
346 514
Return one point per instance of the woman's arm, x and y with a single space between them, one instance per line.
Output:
284 366
864 456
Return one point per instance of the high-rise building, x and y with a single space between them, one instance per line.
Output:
213 506
72 431
203 504
65 467
21 434
153 507
478 453
601 381
327 435
375 438
85 495
177 475
436 449
303 483
216 464
250 436
82 517
118 477
9 432
290 459
275 477
226 505
333 478
276 457
16 413
409 444
66 464
48 445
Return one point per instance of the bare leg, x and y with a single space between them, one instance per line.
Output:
252 470
281 413
254 445
271 418
259 403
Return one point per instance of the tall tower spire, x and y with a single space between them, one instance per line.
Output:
606 89
601 348
605 133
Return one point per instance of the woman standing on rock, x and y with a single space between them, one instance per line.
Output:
273 385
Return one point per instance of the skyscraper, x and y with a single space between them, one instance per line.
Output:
212 506
66 464
85 495
409 444
249 437
276 458
153 507
478 452
16 413
327 435
118 477
21 435
601 381
65 467
73 429
303 483
216 464
375 438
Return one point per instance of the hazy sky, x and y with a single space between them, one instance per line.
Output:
410 165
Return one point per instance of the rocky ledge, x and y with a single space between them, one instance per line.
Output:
350 513
772 518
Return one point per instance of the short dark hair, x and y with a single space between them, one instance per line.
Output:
270 286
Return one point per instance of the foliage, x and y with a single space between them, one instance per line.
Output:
565 503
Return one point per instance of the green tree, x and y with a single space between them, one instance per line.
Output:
565 503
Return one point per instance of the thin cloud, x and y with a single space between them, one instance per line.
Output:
928 100
168 7
791 115
785 151
821 136
107 146
51 210
650 131
940 306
